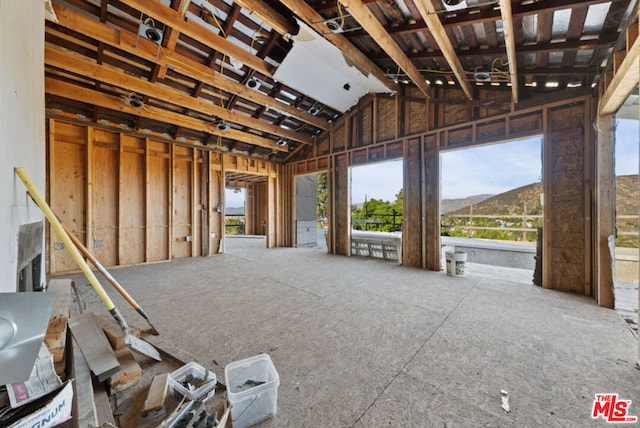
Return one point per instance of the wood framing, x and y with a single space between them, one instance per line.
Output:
133 199
568 147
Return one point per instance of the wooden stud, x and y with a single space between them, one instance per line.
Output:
89 192
52 192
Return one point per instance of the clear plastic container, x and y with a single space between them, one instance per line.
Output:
205 378
252 390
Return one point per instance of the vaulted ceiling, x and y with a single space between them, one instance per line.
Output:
264 78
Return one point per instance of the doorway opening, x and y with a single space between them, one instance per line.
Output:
246 211
377 210
492 208
310 214
625 251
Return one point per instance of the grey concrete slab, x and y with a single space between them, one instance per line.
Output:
362 342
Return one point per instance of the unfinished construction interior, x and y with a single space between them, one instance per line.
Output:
132 117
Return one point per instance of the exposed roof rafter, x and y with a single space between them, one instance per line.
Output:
432 20
364 16
507 22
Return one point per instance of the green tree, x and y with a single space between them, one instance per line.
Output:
322 198
378 215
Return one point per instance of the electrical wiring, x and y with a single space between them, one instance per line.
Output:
340 13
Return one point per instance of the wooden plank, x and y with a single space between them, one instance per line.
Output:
89 191
158 188
105 199
128 375
182 204
267 14
104 412
51 190
68 198
624 81
132 219
509 39
195 203
56 334
431 18
157 394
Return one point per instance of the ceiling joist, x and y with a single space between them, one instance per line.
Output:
111 102
434 24
149 51
77 64
267 14
509 39
173 19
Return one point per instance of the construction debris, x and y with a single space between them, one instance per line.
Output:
94 346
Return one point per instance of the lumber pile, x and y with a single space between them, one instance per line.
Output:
111 385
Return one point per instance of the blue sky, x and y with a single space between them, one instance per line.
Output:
487 169
626 146
490 169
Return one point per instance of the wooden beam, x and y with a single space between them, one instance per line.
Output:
171 36
369 22
624 81
173 19
306 13
78 64
89 96
429 14
267 14
509 39
147 50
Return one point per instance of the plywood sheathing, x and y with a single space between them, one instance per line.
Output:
413 207
132 199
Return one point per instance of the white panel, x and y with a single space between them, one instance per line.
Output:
318 69
22 120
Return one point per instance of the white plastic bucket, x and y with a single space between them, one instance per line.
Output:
456 263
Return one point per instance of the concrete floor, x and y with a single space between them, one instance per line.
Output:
361 342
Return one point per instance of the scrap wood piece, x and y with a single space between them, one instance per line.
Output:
104 412
94 346
56 336
127 375
114 333
157 394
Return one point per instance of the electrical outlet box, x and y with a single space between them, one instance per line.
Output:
97 244
188 238
213 235
58 246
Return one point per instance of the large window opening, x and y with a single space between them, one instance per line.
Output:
626 252
376 210
491 206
